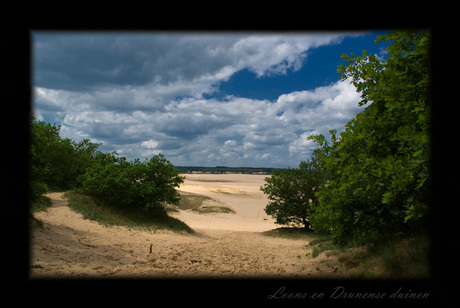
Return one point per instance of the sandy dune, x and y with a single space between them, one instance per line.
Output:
224 245
240 192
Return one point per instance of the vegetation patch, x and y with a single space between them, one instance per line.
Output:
195 202
131 217
190 201
322 244
213 209
40 204
295 233
228 191
395 258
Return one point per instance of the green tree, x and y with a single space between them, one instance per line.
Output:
55 161
292 193
380 172
117 182
65 164
41 135
85 153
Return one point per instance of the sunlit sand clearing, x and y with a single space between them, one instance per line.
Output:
224 244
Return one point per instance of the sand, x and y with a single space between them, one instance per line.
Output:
224 244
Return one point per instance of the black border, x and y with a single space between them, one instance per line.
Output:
15 51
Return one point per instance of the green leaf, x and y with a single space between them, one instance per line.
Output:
386 197
382 157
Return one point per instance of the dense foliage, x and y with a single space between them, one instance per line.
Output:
380 179
376 176
118 182
292 193
64 164
54 161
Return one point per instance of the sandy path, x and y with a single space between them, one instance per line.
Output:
224 245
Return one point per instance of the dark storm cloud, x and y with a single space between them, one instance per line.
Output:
85 61
80 62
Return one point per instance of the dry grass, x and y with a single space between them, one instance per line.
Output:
213 209
130 217
397 258
406 258
196 203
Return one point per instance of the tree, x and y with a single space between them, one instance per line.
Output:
55 161
292 193
43 138
380 173
65 164
117 182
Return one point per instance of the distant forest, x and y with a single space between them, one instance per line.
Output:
224 169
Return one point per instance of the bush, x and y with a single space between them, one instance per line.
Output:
117 182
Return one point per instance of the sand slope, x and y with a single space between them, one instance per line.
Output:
224 245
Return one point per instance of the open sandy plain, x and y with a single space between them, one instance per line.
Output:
223 245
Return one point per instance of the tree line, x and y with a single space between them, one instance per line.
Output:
373 180
62 164
224 169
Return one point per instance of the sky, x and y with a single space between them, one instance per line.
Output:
237 99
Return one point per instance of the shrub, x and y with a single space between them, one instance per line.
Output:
117 182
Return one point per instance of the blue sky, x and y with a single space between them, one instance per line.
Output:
201 99
319 69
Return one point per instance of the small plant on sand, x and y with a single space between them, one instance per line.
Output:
315 252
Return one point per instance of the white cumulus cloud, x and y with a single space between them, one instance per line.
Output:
146 93
150 144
